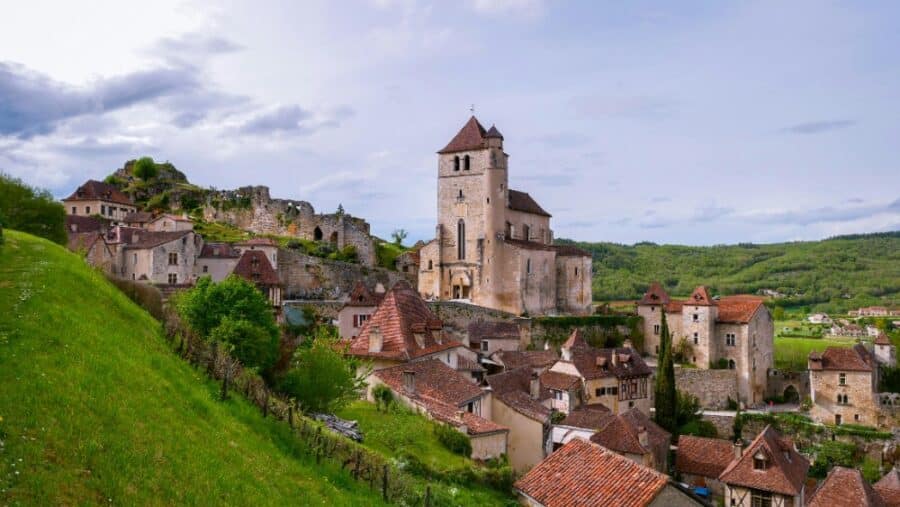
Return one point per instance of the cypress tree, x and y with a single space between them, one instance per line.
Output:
665 392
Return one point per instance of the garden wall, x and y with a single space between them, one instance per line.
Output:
711 387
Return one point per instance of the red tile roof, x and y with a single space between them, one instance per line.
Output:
513 388
586 474
786 470
575 340
889 488
708 457
218 251
738 309
93 190
855 358
487 329
655 295
400 318
470 137
621 433
593 363
559 381
362 296
700 297
513 359
845 487
593 417
882 339
254 266
521 201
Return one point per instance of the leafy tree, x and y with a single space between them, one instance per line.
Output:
340 210
145 168
665 392
32 210
399 235
321 379
251 344
778 313
737 428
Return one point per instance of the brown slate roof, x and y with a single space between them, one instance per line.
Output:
93 190
362 296
855 358
570 251
575 340
844 487
786 470
559 381
83 240
655 295
889 488
149 239
620 433
255 267
138 217
595 363
399 318
513 359
521 201
707 457
487 329
882 339
594 416
700 297
493 132
81 223
585 474
470 137
218 251
513 388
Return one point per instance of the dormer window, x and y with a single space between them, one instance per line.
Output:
759 461
456 163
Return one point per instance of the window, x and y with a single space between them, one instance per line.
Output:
696 338
528 266
488 200
842 379
461 239
206 269
760 499
729 339
526 232
656 329
87 210
460 195
173 278
856 417
470 407
484 345
759 463
134 259
576 271
657 350
466 163
557 395
74 210
600 391
630 404
456 163
111 210
430 264
102 209
731 364
173 259
842 399
696 318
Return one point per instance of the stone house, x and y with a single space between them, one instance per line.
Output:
169 223
585 473
493 246
137 219
537 360
518 403
885 352
360 305
266 245
101 199
95 249
254 267
844 486
735 332
402 330
769 472
618 378
565 390
160 258
488 337
216 260
843 385
700 461
872 311
848 330
447 396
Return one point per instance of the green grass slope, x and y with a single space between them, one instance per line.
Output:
94 407
831 275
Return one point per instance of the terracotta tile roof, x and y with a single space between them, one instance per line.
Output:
470 137
174 218
559 381
655 295
465 364
855 358
400 318
93 190
594 416
532 358
570 251
738 309
585 474
882 339
575 340
138 217
674 306
83 240
486 329
621 433
218 251
700 297
595 363
889 488
254 266
362 296
139 239
81 223
513 388
521 201
786 468
708 457
844 487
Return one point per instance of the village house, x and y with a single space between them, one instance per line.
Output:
403 329
160 258
169 223
769 472
519 403
618 378
488 337
447 396
254 267
137 219
585 473
848 330
819 318
700 461
885 352
100 199
216 260
493 246
888 487
872 311
360 305
537 360
843 384
845 486
735 332
93 246
266 245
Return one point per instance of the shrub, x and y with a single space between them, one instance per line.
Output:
454 440
252 345
145 295
159 202
699 428
31 210
321 378
145 168
384 397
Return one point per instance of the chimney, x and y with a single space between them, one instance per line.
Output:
738 449
628 344
535 386
409 381
643 438
615 357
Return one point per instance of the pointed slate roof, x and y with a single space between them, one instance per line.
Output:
845 486
362 296
700 297
522 201
785 472
255 267
655 295
493 132
470 137
882 339
575 340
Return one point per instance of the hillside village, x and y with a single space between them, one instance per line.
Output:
490 329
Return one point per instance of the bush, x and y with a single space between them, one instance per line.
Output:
384 397
699 428
251 344
32 210
145 295
456 441
145 168
321 379
159 202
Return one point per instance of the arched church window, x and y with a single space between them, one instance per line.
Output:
460 196
456 163
461 239
528 265
467 163
526 232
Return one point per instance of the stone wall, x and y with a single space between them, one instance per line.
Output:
326 309
779 381
711 387
308 277
457 316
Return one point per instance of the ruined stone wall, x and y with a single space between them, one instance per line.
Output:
711 387
308 277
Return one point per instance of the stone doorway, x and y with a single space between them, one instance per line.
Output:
791 395
317 234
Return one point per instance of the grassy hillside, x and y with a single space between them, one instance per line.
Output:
831 275
94 408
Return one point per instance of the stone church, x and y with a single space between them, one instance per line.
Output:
493 246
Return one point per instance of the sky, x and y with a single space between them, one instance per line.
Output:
673 122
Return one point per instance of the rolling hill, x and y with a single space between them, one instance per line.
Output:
832 275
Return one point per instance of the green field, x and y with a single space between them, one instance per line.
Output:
96 409
792 353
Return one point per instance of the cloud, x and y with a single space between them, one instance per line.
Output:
641 107
826 214
525 8
817 127
293 119
193 44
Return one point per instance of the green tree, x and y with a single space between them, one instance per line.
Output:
399 235
778 313
251 344
145 168
321 379
665 392
32 210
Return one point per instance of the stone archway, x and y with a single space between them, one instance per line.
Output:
334 239
317 234
791 395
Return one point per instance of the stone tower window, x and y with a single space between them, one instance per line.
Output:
317 234
842 379
526 232
460 195
696 338
430 264
461 239
528 265
456 163
467 163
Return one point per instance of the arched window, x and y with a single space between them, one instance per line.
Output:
731 364
460 196
461 239
467 163
526 232
456 163
528 265
430 264
317 234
